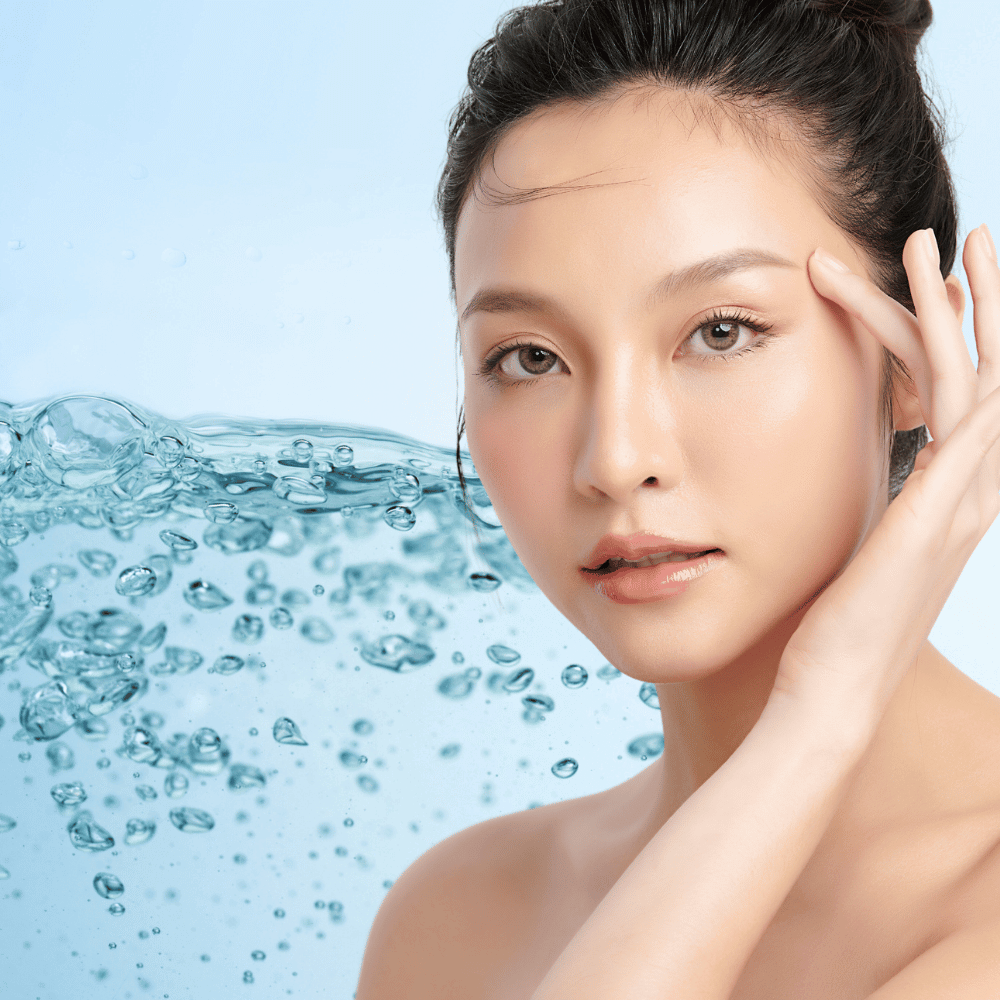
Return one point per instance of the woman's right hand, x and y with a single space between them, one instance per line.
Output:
863 632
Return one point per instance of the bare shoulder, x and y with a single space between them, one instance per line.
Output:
454 918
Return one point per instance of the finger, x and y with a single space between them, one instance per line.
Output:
979 258
935 494
984 285
954 383
890 322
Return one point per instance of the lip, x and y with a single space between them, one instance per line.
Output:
642 584
636 546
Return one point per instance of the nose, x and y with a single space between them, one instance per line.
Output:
628 433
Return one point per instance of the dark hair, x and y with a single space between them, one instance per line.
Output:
843 73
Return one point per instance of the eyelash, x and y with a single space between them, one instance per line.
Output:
490 364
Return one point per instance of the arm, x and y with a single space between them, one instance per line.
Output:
685 916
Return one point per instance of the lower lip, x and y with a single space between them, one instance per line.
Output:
640 584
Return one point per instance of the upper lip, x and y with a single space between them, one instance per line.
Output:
637 546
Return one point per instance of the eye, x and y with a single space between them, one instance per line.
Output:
521 361
721 333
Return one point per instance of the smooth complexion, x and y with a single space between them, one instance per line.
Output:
638 420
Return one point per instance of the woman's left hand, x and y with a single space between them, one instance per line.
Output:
863 632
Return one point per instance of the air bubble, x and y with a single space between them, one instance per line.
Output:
287 732
565 768
109 886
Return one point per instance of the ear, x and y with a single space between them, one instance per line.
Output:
905 404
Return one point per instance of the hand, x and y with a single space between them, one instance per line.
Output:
863 632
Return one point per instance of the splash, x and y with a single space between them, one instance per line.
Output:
197 643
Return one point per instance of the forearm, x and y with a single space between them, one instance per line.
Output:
685 916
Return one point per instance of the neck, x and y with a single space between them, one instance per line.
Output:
704 721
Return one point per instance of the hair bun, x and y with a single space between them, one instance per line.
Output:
904 20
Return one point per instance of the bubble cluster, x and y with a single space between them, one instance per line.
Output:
170 592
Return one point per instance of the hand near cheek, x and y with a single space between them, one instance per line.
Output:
863 632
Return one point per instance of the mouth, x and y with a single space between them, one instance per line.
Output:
611 565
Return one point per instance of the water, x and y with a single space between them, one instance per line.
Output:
252 667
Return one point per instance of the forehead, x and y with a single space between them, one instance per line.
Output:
655 175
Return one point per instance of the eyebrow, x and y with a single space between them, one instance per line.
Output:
702 272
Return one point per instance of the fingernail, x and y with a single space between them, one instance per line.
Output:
930 243
828 260
988 241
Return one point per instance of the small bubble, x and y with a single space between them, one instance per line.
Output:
206 958
253 730
248 976
279 913
248 628
343 455
648 696
258 955
257 571
319 590
138 831
240 859
173 257
650 745
177 541
205 596
316 630
156 930
189 820
519 680
538 702
287 732
175 784
451 750
104 763
348 821
135 581
401 518
457 657
222 512
565 768
41 597
24 756
574 676
362 727
281 618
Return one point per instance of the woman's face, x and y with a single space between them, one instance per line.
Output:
644 416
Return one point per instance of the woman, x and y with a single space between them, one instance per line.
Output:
701 258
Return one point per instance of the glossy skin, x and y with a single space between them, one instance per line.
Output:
775 457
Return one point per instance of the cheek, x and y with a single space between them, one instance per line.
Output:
511 457
803 464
